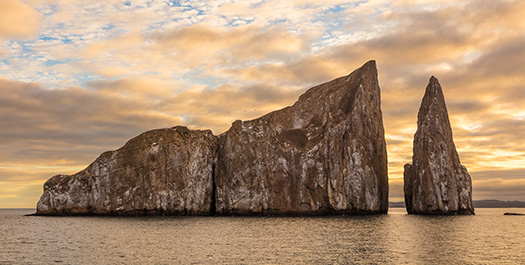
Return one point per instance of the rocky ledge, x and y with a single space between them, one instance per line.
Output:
166 171
436 182
325 154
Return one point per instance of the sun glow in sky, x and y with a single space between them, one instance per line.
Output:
79 77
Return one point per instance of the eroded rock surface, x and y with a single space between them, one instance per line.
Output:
166 171
324 154
436 182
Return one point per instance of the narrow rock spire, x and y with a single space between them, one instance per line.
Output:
436 182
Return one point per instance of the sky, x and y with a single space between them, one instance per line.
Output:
80 77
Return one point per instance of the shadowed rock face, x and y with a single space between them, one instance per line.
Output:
324 154
436 182
166 171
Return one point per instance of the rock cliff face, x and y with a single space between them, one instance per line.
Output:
166 171
436 182
324 154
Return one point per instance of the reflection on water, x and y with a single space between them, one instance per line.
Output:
396 238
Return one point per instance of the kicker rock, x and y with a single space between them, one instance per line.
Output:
436 182
325 154
166 171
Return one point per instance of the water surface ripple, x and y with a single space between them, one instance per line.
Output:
396 238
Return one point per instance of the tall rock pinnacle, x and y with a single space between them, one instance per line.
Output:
436 182
324 154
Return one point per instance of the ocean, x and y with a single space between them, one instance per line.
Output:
488 237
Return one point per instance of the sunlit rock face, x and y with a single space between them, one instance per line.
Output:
166 171
324 154
436 182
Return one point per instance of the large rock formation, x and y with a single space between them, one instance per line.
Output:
324 154
166 171
436 182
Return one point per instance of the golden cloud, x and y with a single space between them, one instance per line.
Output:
244 42
206 75
17 19
209 49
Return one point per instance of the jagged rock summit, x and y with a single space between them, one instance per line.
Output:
436 182
326 154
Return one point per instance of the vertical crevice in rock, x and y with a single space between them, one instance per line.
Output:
213 201
213 208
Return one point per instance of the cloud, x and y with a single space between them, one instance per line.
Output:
17 19
246 42
20 194
506 174
396 193
137 86
72 126
217 108
41 124
499 189
98 74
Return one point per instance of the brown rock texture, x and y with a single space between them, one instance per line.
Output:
436 182
166 171
324 154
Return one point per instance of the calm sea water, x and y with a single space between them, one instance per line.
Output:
397 238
